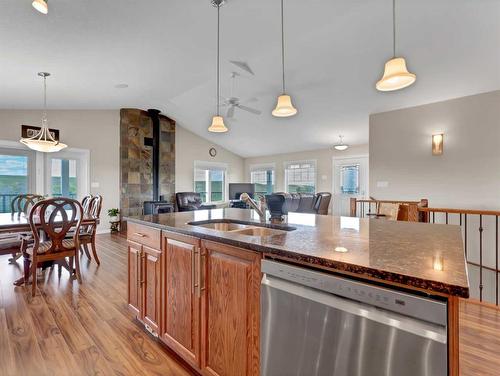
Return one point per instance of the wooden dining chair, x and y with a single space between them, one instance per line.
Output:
54 218
22 204
86 203
88 232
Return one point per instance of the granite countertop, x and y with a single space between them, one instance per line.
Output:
392 252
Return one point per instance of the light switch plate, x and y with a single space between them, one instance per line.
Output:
382 184
95 184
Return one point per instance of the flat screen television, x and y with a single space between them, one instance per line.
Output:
236 189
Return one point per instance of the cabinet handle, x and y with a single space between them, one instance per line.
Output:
201 274
140 235
143 265
194 283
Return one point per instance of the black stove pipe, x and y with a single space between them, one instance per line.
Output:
155 118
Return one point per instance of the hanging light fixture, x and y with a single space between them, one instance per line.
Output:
217 125
41 6
43 140
396 75
284 107
341 146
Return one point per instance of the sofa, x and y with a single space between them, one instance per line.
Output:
305 202
190 201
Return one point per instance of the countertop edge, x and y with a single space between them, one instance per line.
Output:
381 276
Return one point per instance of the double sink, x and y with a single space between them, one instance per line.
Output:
242 228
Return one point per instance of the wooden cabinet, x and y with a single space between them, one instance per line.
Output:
230 303
144 274
181 313
202 298
134 274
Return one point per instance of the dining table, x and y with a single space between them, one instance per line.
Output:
19 223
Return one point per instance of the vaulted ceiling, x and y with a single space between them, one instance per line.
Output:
164 50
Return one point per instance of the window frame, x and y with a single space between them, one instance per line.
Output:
211 166
286 165
264 167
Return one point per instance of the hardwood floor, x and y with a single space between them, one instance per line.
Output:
71 329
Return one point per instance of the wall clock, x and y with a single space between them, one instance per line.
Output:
212 152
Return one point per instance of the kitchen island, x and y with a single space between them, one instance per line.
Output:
195 277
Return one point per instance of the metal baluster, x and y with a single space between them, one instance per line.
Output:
460 219
480 258
433 217
496 260
446 217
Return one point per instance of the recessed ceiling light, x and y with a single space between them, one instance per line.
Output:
41 6
121 86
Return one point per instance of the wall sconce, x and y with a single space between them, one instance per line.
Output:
437 144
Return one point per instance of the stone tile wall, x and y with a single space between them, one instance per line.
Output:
136 160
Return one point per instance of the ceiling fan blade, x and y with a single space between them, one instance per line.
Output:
243 65
230 112
251 100
249 109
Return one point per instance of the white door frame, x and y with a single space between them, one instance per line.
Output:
366 177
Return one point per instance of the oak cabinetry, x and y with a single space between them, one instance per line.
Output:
201 298
144 274
230 303
181 305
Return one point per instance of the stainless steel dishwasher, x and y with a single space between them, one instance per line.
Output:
314 323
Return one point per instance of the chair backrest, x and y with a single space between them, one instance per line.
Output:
322 202
94 210
56 217
23 203
390 210
86 203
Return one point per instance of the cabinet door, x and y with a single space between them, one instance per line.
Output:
230 303
150 282
134 276
180 329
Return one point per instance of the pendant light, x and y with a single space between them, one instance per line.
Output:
396 75
341 146
43 140
284 107
41 6
217 125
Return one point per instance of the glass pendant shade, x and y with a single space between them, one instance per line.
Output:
284 107
217 125
341 147
396 76
43 140
41 6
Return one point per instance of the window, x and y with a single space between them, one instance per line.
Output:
263 178
15 176
63 178
210 182
300 177
349 179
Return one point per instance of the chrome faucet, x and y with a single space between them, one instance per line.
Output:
260 209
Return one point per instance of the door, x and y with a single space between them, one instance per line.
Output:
230 302
181 316
134 276
150 284
350 179
67 174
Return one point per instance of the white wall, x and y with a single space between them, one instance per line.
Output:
97 131
467 175
189 148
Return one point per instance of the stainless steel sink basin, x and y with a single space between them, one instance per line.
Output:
248 229
224 226
259 231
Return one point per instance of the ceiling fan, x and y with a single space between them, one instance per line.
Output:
234 102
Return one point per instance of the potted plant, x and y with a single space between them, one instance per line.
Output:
113 215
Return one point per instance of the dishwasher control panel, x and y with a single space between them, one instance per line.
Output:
406 304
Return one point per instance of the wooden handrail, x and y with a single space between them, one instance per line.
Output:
459 211
388 201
